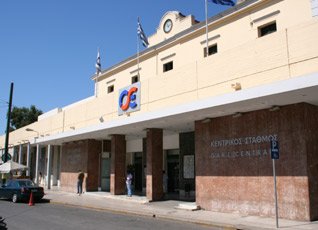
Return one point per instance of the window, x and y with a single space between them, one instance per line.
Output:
134 79
212 50
168 66
110 89
267 29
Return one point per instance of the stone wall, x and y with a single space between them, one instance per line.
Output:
234 166
312 156
80 155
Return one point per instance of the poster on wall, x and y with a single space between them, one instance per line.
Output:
188 167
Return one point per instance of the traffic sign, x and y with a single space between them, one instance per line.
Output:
274 150
8 157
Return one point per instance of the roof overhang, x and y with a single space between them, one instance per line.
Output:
181 118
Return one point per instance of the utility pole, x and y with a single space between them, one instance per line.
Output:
8 125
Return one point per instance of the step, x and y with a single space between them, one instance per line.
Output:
189 206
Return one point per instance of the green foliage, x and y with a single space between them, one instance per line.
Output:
23 116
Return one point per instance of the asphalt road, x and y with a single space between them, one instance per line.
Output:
46 216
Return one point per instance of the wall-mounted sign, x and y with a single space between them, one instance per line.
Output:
252 146
188 166
129 99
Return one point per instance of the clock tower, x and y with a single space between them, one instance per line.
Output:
171 23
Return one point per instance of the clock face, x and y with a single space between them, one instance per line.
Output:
167 26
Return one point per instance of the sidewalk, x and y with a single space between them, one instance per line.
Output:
167 210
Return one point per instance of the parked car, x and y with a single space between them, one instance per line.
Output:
20 190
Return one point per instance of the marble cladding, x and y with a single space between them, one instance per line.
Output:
234 171
80 155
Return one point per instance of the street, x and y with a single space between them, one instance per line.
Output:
51 216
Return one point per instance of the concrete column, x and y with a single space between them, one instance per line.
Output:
154 190
118 165
48 167
20 154
28 159
37 163
54 165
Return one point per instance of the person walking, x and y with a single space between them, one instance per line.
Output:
128 183
80 179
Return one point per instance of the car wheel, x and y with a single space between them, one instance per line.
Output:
15 198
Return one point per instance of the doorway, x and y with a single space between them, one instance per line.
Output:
105 172
173 168
138 172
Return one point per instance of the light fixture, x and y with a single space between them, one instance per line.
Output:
72 127
236 86
101 119
32 130
274 108
206 120
238 114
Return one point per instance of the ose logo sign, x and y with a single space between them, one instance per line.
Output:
129 99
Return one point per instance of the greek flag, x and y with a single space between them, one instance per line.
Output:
98 65
223 2
142 35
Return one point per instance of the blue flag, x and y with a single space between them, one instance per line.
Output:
223 2
142 35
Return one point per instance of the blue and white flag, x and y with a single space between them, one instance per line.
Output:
223 2
98 66
142 35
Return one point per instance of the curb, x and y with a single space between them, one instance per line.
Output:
147 214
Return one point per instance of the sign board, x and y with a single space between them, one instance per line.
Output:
274 150
188 166
8 158
129 99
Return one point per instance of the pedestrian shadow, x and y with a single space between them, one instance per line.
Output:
3 225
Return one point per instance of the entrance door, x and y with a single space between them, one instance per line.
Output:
105 172
173 171
138 172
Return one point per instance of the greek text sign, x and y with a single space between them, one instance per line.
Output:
252 146
129 99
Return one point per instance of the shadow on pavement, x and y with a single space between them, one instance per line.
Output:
44 201
3 225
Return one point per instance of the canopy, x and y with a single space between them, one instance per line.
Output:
11 166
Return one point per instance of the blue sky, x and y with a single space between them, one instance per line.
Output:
48 48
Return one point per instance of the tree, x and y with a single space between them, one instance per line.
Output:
23 116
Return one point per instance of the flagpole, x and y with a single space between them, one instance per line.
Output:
138 49
206 28
97 74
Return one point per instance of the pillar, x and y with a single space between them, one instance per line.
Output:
20 154
48 167
36 179
28 159
118 165
154 182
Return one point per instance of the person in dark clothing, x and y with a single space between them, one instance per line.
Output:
80 179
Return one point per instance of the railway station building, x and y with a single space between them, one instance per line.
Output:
202 109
